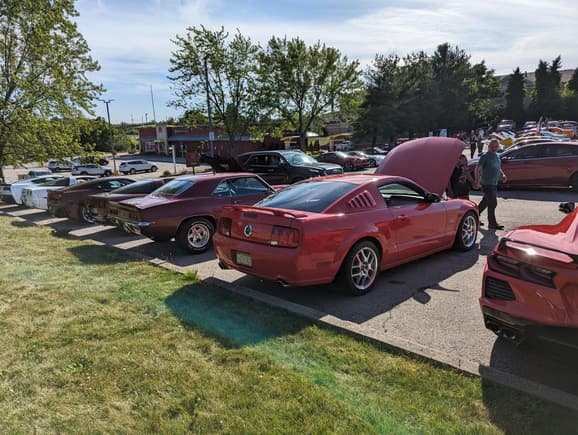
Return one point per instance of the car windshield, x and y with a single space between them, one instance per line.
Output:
313 196
341 154
139 187
57 182
173 188
300 159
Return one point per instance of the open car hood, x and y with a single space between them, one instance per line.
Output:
428 161
560 237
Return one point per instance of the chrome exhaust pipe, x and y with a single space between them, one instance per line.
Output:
282 283
223 266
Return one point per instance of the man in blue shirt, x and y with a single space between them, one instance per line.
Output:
488 174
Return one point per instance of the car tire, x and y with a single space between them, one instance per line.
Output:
372 163
194 235
85 216
154 169
348 167
107 173
359 271
467 232
132 171
574 182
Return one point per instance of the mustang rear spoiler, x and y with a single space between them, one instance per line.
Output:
273 211
504 240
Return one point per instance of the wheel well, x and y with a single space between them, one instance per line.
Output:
209 218
364 239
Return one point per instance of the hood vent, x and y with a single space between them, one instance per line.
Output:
361 201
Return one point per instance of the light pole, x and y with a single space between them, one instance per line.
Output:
111 136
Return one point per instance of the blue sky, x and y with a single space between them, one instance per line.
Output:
131 39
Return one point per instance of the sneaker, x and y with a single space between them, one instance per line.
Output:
482 224
496 227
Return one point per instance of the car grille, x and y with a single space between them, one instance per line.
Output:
498 289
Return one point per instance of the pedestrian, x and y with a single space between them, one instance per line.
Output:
473 142
480 141
460 180
488 174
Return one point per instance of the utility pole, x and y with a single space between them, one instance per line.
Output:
153 101
146 118
107 102
211 134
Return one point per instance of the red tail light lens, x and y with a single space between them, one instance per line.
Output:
225 227
284 237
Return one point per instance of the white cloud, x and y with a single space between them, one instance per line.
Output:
133 44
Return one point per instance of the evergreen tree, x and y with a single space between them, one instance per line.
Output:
515 93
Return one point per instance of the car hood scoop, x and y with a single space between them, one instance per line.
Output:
428 161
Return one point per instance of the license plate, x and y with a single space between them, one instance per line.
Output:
243 259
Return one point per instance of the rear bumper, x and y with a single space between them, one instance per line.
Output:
289 267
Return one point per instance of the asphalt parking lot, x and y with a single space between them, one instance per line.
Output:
432 302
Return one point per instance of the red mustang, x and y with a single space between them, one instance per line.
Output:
186 208
345 229
530 285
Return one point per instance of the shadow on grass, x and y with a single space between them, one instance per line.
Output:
22 224
232 319
94 254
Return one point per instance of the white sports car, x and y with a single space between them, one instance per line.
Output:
36 196
17 187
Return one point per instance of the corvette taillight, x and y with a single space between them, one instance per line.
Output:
284 237
225 227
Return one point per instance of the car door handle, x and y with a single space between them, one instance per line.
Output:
401 217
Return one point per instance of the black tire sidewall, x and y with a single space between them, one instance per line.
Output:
182 239
459 243
343 282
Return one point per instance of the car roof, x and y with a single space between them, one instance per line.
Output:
217 176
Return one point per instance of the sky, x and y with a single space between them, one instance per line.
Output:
131 39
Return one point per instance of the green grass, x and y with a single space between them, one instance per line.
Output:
94 341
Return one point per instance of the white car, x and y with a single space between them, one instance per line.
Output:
36 196
59 165
133 166
17 187
91 169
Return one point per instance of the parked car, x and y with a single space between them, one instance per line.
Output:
506 124
544 164
346 161
36 196
17 187
374 160
35 173
530 282
59 165
187 207
375 151
134 166
92 169
344 230
285 167
101 205
70 202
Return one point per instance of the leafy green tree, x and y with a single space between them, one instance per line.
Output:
546 96
571 97
226 67
43 65
515 94
299 82
193 118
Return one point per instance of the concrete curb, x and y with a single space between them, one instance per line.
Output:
384 340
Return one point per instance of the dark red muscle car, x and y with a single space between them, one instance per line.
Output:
71 201
346 161
101 204
345 229
187 207
530 285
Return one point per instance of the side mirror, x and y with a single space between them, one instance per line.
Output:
567 207
432 197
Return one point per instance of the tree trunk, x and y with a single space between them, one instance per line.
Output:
303 141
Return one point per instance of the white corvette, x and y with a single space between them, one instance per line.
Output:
36 196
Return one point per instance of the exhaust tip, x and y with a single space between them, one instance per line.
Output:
282 283
223 266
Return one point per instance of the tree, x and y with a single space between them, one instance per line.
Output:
211 61
300 82
515 93
43 65
546 97
571 97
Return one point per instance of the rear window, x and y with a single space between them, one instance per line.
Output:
57 182
313 197
173 188
140 187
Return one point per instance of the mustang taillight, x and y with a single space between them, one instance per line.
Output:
284 237
225 226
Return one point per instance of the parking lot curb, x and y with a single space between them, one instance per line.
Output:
381 339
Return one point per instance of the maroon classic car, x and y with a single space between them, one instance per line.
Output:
101 204
348 162
70 202
187 207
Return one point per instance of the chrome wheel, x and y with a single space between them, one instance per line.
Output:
469 231
198 235
364 268
85 215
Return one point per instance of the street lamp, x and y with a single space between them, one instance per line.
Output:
111 136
